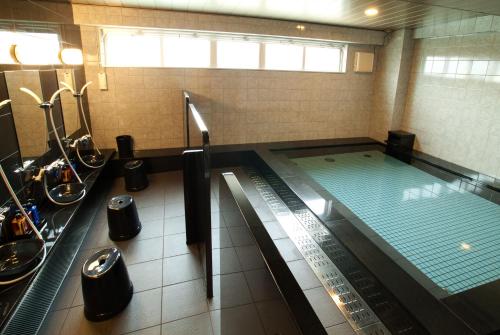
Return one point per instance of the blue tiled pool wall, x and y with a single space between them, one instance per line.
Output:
449 234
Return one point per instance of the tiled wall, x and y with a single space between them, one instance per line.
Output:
240 106
391 83
36 11
134 17
454 94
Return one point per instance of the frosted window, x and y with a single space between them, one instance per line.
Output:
237 55
186 52
38 48
188 49
284 57
322 59
428 64
438 65
479 67
125 49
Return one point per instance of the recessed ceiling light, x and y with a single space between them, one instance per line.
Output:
371 11
300 27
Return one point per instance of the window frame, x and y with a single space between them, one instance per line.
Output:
215 37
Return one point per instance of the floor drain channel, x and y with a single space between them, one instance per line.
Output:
306 234
365 303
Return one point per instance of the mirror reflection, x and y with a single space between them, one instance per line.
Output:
29 119
68 102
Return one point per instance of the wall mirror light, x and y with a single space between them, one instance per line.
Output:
29 48
29 119
69 106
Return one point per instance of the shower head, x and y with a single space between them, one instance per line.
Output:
84 87
68 87
32 94
56 93
3 103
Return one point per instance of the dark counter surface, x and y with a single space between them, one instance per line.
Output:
58 218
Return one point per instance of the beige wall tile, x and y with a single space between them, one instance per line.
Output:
239 106
453 108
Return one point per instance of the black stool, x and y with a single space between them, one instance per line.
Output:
135 176
106 286
123 220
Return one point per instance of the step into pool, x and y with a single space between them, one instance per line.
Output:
450 235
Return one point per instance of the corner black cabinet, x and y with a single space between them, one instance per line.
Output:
400 145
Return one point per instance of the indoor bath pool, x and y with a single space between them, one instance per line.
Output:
450 235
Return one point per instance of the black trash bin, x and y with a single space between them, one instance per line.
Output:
123 220
125 146
106 286
399 144
135 176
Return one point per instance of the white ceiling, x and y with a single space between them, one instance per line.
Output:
393 14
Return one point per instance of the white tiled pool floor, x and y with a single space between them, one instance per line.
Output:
169 293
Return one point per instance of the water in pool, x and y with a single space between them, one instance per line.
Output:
452 236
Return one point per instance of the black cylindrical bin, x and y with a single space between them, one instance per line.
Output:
106 286
135 176
125 146
123 220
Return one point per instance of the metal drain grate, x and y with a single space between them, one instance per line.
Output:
307 234
337 269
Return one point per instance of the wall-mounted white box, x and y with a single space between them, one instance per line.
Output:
103 81
68 78
363 62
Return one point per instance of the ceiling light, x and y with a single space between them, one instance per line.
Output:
300 27
371 11
71 56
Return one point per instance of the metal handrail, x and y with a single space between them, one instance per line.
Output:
190 112
186 97
200 123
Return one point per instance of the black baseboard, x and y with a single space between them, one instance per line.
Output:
163 160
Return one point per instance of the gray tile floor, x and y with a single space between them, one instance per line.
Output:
169 292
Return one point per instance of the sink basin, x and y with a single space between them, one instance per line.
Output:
93 159
19 257
66 193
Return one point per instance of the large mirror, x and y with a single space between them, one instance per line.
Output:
69 105
29 119
34 133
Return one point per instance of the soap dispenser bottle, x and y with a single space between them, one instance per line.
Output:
19 225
